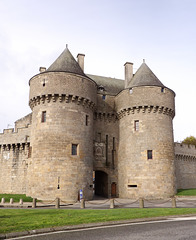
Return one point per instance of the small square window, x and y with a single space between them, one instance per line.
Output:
43 116
74 149
136 125
149 154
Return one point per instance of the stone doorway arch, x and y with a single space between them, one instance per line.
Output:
101 184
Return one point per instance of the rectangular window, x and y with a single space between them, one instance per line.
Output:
149 154
87 119
44 116
74 149
136 125
132 186
103 97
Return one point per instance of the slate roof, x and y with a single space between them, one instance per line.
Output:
144 77
66 63
111 85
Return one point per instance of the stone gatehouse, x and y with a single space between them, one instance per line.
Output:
106 136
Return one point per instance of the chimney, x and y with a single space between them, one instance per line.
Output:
42 69
80 57
128 73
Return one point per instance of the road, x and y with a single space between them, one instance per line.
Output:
174 228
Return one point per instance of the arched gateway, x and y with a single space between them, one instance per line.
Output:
101 184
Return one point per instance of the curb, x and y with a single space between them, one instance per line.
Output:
85 226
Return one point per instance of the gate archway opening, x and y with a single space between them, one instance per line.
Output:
101 184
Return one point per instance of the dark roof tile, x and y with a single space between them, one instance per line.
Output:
66 63
144 77
111 85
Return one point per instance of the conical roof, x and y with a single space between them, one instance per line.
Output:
66 63
144 77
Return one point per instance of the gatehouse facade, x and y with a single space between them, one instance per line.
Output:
106 136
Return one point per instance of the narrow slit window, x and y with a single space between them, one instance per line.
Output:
44 83
136 125
58 185
132 186
106 149
149 154
113 152
74 149
87 120
43 116
114 143
162 89
29 152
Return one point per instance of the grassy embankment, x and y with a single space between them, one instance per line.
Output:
17 220
186 192
14 220
16 197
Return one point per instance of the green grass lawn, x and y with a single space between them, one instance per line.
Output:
16 197
186 192
14 220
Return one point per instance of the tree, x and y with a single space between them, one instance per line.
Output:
190 140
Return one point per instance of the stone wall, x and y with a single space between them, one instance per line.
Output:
185 166
14 157
14 162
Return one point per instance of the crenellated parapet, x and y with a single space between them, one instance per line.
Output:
20 135
146 109
23 122
185 152
102 116
62 98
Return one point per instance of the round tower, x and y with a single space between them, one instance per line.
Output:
62 99
146 145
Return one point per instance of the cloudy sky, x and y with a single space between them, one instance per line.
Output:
33 33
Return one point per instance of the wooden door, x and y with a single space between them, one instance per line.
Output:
113 189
